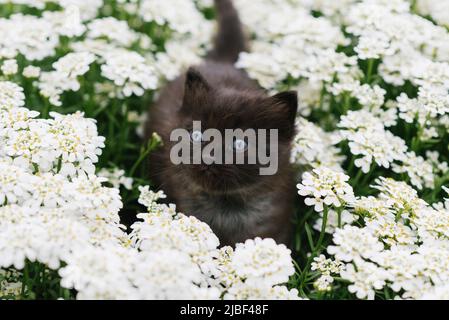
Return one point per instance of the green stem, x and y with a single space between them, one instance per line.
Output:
46 110
25 280
323 230
153 143
387 294
317 249
413 7
346 103
369 71
439 182
339 217
322 94
370 173
351 165
357 177
416 141
142 156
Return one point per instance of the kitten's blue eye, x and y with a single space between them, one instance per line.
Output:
196 136
240 145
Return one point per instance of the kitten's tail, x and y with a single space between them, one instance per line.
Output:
230 40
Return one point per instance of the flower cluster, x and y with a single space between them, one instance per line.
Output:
68 76
391 244
369 139
77 77
51 201
66 144
325 187
396 248
326 267
373 84
170 255
54 209
314 147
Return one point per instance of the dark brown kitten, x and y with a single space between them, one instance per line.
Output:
234 200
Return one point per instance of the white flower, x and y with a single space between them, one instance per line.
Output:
73 65
325 187
148 197
432 223
116 30
366 277
326 266
262 260
368 138
373 45
31 72
31 36
9 67
184 19
15 184
351 243
400 195
67 22
315 147
370 97
100 47
432 101
9 283
436 293
116 177
11 95
263 67
93 200
170 274
373 207
140 119
187 234
391 232
435 9
53 84
88 271
260 291
324 283
178 56
433 158
88 10
129 70
77 143
419 170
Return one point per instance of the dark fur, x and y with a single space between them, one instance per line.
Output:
234 200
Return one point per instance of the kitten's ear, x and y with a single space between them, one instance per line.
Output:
194 80
285 106
195 87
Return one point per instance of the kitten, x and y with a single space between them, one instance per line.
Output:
235 201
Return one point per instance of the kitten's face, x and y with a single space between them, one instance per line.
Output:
223 108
